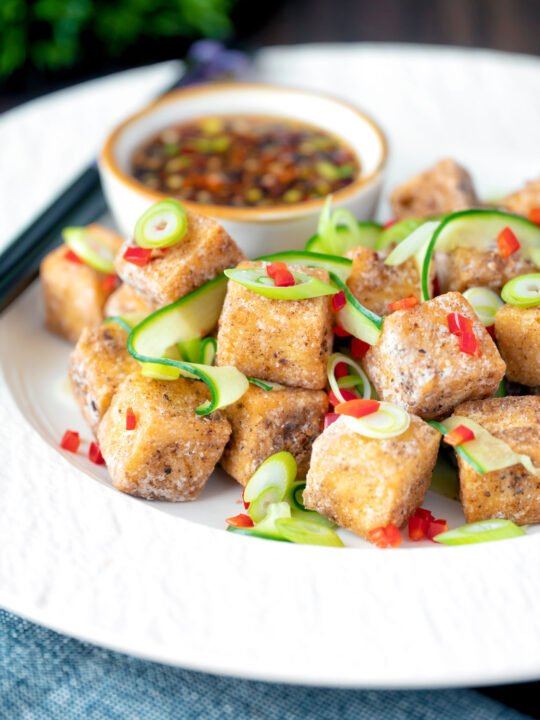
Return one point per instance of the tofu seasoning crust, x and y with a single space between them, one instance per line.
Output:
511 493
418 365
284 341
362 483
171 452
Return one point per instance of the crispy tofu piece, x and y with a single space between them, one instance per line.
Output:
517 330
418 365
464 268
376 285
204 252
362 483
125 300
284 341
443 188
524 200
74 294
172 452
266 422
97 366
511 493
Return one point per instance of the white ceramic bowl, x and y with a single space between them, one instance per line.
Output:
256 230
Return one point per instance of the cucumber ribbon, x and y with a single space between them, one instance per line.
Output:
163 340
355 318
339 231
485 453
277 509
305 287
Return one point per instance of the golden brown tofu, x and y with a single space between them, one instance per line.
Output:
517 330
376 285
443 188
284 341
266 422
125 300
511 493
362 483
172 452
98 364
74 294
204 252
464 268
418 364
524 200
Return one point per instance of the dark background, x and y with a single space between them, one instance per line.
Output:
48 44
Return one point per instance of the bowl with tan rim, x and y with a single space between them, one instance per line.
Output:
258 230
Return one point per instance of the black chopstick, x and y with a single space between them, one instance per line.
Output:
83 201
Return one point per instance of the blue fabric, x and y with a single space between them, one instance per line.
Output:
47 676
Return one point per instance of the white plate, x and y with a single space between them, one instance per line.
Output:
166 582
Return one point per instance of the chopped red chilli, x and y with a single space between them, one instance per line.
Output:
70 441
458 435
458 324
241 520
70 255
339 301
507 242
534 215
273 268
418 528
284 278
358 407
138 255
468 343
341 370
346 395
386 537
330 418
109 282
94 454
246 504
359 348
436 527
131 419
403 304
341 332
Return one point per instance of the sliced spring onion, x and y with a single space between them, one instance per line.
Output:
355 318
501 390
335 385
266 384
162 225
342 267
275 512
296 501
412 243
154 344
339 231
485 453
397 232
389 421
127 321
484 531
90 248
523 291
256 280
258 508
485 303
307 533
278 471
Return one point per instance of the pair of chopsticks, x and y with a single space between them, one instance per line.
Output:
83 201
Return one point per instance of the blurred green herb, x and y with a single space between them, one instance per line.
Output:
54 35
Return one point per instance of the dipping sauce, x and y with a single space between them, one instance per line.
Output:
247 160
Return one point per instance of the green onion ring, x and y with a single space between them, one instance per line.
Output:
92 250
523 291
483 531
336 358
389 421
485 303
162 225
306 286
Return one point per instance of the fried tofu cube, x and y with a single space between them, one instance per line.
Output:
418 365
524 200
363 483
265 422
511 493
97 366
443 188
172 451
464 268
376 285
74 294
284 341
125 300
204 252
517 330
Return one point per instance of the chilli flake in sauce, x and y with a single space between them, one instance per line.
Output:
245 161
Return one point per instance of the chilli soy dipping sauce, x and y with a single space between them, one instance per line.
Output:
245 161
